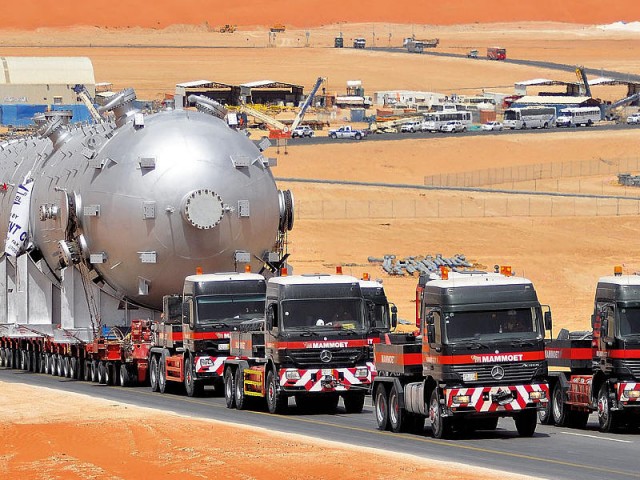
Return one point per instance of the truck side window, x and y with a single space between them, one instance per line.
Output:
437 326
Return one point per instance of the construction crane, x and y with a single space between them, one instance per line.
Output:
84 96
582 77
307 103
277 129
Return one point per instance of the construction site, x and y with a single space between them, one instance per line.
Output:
558 206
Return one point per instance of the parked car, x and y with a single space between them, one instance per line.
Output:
491 126
411 127
453 126
634 118
302 131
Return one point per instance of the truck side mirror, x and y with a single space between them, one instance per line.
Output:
185 312
548 323
272 317
394 316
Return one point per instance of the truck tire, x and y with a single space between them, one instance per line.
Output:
109 373
607 419
94 371
229 388
526 422
440 425
3 357
544 414
153 373
241 398
59 365
87 371
66 367
193 387
47 363
73 368
558 407
353 402
276 401
358 136
396 412
102 373
162 373
333 135
125 376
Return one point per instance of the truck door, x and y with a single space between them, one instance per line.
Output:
604 334
432 341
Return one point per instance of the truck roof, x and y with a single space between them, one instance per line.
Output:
223 277
477 279
310 279
621 279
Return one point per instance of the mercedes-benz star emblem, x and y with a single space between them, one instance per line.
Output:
497 372
325 356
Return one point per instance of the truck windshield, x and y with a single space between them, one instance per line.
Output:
492 325
323 314
629 320
229 309
511 115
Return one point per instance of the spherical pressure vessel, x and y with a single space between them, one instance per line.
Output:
142 200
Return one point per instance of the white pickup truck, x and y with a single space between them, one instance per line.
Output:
347 132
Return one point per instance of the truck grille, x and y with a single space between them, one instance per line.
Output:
342 357
513 372
634 366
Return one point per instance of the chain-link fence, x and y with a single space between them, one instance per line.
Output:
468 207
537 176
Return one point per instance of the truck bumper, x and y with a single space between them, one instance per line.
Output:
504 400
294 380
628 394
209 367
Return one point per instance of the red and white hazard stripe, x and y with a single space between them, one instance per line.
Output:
326 379
206 364
496 399
624 388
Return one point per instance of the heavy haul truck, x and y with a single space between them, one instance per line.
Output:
599 370
315 344
479 356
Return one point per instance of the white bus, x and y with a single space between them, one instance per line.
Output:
575 116
529 117
433 121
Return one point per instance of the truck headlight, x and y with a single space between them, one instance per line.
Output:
537 395
362 372
292 375
461 399
632 393
206 361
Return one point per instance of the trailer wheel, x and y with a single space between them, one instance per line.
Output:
607 419
193 387
94 371
59 365
3 357
241 399
102 373
67 367
526 422
558 406
276 402
47 363
440 425
125 376
153 373
229 388
353 402
26 361
73 368
395 411
87 371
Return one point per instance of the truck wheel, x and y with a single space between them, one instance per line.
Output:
191 385
395 411
544 414
229 388
606 418
558 407
109 373
333 135
241 399
353 402
59 365
358 136
153 373
440 425
2 357
125 377
66 367
102 373
276 402
526 422
162 374
47 363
